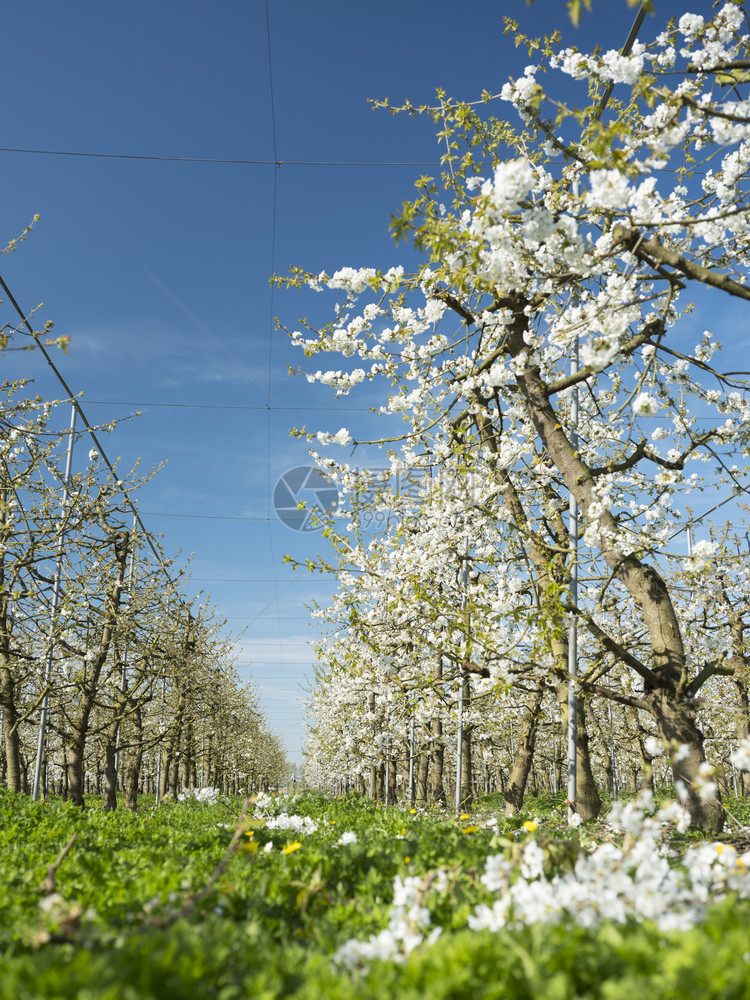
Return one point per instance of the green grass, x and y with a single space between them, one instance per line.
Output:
134 920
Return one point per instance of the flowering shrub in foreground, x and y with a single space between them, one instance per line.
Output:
632 882
208 795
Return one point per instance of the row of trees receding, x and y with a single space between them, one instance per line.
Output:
131 688
569 414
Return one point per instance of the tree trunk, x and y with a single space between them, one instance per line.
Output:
667 692
189 768
604 747
111 735
647 768
587 804
163 773
110 771
743 727
519 775
423 766
75 772
467 770
392 787
675 720
135 762
174 775
437 756
11 739
90 683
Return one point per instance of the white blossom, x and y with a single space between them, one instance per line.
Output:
609 190
644 405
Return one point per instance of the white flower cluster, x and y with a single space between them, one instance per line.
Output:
644 405
407 922
609 189
301 824
340 437
208 795
350 837
690 24
612 65
741 756
572 63
597 353
351 279
632 882
700 557
617 883
263 802
623 69
512 182
653 747
340 380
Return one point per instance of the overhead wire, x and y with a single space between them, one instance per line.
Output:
229 406
215 159
305 409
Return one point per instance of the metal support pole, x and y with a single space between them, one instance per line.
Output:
459 742
461 682
554 767
573 622
53 615
124 674
388 771
373 760
158 757
615 779
412 795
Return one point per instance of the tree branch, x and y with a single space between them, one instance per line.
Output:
48 883
619 696
707 671
645 249
617 650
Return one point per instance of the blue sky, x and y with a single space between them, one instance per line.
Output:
136 259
